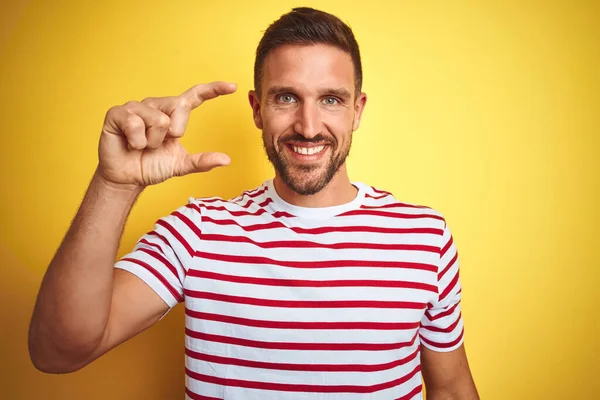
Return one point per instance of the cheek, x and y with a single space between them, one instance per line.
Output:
276 123
339 125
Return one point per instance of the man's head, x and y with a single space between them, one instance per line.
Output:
307 98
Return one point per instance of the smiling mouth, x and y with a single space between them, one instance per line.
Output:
307 151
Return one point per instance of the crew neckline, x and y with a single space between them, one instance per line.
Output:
316 212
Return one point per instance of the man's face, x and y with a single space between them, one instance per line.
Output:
307 111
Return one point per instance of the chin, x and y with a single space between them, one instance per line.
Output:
306 183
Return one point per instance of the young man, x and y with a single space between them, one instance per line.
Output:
308 287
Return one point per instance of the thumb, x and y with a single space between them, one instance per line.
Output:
202 162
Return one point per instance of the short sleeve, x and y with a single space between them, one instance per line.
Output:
162 256
442 326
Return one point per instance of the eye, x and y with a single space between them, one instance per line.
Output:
330 101
286 98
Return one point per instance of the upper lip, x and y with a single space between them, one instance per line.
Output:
308 145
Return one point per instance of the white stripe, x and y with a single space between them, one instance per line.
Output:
350 336
313 293
386 315
327 378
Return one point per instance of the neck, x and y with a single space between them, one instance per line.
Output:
338 191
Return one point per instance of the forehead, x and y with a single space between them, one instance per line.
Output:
308 68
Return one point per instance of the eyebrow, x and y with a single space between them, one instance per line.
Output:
342 93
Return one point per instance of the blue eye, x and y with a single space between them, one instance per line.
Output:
286 98
330 101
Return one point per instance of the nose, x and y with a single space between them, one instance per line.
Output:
308 120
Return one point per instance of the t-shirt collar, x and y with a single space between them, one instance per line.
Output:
315 212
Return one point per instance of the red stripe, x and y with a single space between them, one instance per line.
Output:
250 202
450 287
442 314
381 191
247 193
279 214
444 345
241 213
265 202
301 367
450 264
211 200
449 329
321 230
393 205
412 393
254 193
376 197
307 283
315 264
257 323
159 276
193 227
160 258
275 244
195 396
165 241
177 235
446 247
284 387
390 214
147 243
161 237
298 346
305 303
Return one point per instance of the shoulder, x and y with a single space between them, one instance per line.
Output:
384 203
247 201
377 198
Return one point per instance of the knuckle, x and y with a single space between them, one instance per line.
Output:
113 111
162 121
182 102
176 132
130 104
149 101
132 123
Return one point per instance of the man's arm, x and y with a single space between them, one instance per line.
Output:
85 307
447 375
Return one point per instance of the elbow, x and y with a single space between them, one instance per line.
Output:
49 360
51 364
54 364
49 367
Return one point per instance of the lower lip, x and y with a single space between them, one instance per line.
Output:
308 157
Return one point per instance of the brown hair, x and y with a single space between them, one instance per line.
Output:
307 26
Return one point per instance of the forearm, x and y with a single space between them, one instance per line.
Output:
461 389
449 395
73 303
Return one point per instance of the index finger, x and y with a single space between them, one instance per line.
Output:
197 94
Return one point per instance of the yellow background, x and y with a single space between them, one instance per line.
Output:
485 111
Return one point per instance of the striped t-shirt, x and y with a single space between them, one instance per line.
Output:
286 302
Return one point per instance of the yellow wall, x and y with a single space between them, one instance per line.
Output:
486 111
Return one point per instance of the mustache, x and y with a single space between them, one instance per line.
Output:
296 137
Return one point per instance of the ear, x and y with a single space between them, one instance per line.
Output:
255 104
359 106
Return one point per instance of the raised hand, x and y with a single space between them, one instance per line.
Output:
139 144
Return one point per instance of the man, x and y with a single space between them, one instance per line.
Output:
308 287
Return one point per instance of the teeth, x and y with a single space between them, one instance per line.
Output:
308 150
